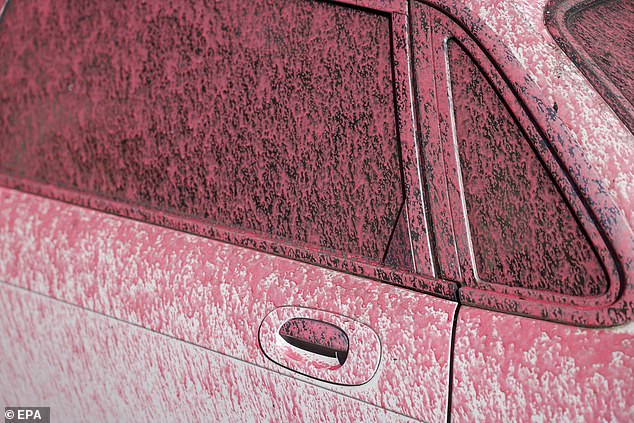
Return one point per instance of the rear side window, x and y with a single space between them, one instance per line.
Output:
598 35
521 229
272 117
510 223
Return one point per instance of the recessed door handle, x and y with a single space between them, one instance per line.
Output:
321 344
316 337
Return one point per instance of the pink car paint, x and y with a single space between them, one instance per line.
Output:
182 179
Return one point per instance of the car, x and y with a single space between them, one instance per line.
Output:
307 210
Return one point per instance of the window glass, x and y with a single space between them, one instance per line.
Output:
598 36
522 231
399 253
272 117
605 30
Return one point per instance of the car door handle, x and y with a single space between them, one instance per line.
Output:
320 344
317 337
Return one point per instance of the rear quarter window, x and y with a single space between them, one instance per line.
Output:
521 228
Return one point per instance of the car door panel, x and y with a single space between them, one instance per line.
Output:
284 127
90 367
215 295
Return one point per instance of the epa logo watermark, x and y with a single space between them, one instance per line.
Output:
27 414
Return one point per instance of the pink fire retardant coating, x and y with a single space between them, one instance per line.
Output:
150 304
509 368
92 368
182 173
196 132
597 36
215 295
363 355
496 42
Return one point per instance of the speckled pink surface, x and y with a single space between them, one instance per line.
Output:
218 114
479 204
91 368
522 231
509 368
107 148
597 36
198 132
215 295
516 27
363 352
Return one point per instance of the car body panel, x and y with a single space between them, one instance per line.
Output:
509 368
215 295
89 367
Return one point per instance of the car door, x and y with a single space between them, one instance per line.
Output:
185 181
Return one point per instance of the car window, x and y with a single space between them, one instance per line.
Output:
597 35
511 199
521 229
284 134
